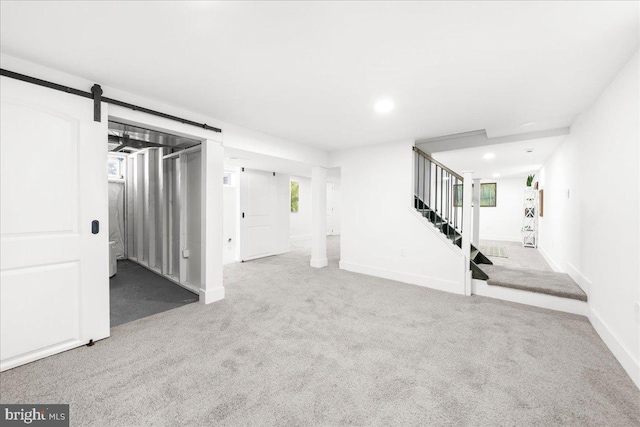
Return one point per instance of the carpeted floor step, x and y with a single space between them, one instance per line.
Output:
544 282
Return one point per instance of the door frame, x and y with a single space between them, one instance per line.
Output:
212 158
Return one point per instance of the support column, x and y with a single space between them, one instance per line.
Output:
211 286
318 217
476 213
467 197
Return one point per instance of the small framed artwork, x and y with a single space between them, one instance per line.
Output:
541 210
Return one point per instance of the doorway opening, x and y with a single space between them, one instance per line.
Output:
154 221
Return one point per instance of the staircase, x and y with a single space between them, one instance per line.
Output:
438 197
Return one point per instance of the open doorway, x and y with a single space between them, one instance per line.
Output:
154 221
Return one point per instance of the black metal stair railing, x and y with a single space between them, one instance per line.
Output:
438 193
438 197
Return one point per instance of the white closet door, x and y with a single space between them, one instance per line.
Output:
54 288
257 214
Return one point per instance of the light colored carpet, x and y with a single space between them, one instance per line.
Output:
544 282
297 346
497 251
519 256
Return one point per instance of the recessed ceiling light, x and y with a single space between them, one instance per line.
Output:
496 175
528 150
527 124
488 156
384 106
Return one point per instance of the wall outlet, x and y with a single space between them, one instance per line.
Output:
402 252
185 253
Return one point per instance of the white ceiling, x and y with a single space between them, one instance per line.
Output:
511 160
311 71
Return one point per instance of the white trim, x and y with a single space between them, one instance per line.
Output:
137 208
318 262
162 203
211 295
399 276
624 356
39 354
182 200
185 151
150 169
549 260
552 302
503 238
577 277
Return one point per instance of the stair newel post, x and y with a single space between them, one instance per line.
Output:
476 213
467 229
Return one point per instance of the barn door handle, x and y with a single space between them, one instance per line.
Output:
95 226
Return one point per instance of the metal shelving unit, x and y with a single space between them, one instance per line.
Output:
530 219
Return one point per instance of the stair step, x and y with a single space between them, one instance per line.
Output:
543 282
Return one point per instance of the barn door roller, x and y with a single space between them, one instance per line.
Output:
96 95
96 90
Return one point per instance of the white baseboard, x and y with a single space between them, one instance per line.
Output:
300 238
552 302
550 260
14 362
318 262
582 281
624 356
517 239
211 295
412 279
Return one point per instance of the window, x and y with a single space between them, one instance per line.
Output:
295 194
115 167
488 195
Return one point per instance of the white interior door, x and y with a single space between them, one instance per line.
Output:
257 214
54 289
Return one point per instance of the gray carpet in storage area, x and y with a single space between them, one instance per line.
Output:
136 292
297 346
544 282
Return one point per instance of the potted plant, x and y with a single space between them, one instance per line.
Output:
530 180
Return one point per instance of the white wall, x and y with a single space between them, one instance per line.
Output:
283 212
590 227
301 220
334 207
230 219
381 233
504 221
234 136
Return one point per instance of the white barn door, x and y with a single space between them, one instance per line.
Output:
54 288
257 214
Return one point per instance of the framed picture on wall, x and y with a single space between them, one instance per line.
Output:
488 195
541 209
